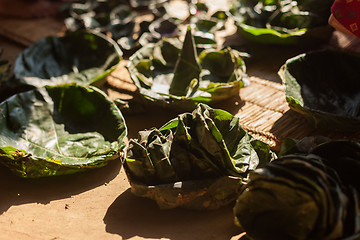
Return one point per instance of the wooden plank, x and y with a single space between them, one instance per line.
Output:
28 31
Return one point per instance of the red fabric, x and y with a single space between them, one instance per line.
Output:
347 12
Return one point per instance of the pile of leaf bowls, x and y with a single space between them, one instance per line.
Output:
324 86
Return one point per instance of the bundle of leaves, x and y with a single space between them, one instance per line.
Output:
82 57
283 21
324 87
171 74
304 196
198 160
57 130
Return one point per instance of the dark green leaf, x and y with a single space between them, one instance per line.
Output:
159 72
187 67
219 63
193 148
81 57
312 193
57 130
323 86
283 22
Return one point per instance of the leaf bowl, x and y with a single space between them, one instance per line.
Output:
84 57
198 160
58 130
324 87
171 74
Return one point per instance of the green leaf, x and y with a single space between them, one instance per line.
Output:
187 67
193 148
207 25
81 57
158 70
151 154
219 63
4 78
57 130
314 89
313 194
283 22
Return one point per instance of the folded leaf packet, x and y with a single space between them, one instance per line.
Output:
198 160
59 130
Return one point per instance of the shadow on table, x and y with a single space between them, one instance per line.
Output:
16 191
131 216
296 126
292 125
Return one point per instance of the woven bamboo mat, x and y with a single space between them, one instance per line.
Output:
261 107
